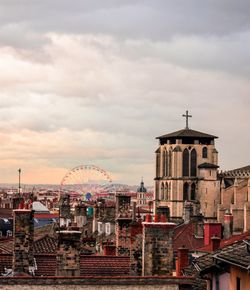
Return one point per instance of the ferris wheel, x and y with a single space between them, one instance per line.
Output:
87 182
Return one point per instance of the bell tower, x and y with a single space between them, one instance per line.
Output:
186 172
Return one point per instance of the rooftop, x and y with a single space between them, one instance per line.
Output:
89 265
38 207
186 133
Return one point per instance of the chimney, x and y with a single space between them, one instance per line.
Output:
16 201
80 215
109 249
156 218
64 211
165 211
23 238
123 206
182 260
157 248
148 218
211 229
134 211
68 253
136 249
215 243
95 218
228 225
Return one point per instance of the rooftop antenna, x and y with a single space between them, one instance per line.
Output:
187 116
19 182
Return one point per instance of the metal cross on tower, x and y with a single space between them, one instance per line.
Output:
187 116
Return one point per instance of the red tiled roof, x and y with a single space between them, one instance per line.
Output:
6 246
45 244
105 265
225 242
184 235
6 213
46 215
90 265
234 239
5 262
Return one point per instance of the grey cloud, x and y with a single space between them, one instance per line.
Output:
144 19
100 81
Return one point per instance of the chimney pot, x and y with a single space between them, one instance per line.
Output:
156 218
163 218
215 242
148 218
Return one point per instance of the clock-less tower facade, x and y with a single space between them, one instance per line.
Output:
186 173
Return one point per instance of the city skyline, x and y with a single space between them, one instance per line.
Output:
95 83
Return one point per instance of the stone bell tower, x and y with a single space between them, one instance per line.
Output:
186 172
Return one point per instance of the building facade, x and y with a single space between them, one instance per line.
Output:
186 172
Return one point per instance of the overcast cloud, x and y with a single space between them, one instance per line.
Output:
94 82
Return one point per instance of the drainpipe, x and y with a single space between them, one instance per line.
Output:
217 282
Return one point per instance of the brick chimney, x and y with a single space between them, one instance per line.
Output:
80 215
64 210
228 225
23 238
157 248
182 260
136 248
123 206
68 253
16 201
211 229
109 249
122 225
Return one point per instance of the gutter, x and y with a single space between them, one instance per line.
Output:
229 262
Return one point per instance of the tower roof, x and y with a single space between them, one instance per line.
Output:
186 133
142 188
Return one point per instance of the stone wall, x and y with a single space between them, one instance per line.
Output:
123 237
136 249
23 240
68 253
102 283
157 249
80 287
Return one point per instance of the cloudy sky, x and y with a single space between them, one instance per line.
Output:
94 82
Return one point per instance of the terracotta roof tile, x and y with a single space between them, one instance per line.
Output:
90 265
184 235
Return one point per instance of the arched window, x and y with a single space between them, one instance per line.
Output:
162 191
193 162
185 191
170 163
204 152
166 163
163 163
185 163
166 192
193 189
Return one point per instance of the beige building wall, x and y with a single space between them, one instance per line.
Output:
169 187
235 199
